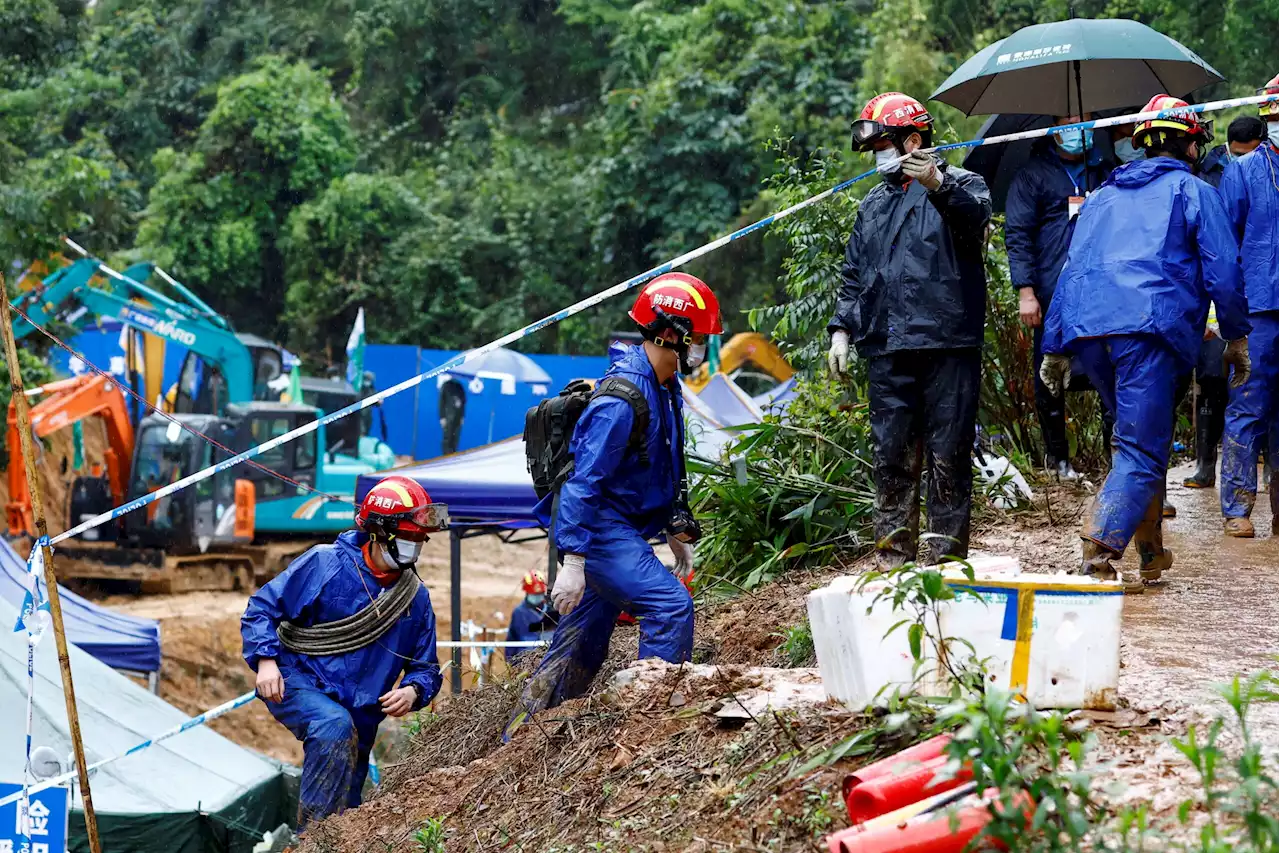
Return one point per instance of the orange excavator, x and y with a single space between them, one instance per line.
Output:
69 401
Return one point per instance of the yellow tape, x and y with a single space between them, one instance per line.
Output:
1022 642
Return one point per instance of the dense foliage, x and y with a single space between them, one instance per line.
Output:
459 167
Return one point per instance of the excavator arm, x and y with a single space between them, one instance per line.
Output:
67 402
745 348
69 293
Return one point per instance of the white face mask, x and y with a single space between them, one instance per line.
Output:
695 356
885 158
1273 132
406 550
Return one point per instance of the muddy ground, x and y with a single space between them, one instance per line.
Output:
661 772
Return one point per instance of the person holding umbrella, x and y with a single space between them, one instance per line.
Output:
1040 213
1151 248
912 301
1250 188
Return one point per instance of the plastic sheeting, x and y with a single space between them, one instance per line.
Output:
194 793
119 641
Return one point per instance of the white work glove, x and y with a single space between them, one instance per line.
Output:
571 583
838 355
923 168
683 552
1055 372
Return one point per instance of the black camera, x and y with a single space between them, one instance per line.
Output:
684 526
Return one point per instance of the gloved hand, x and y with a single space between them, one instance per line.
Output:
1237 356
1055 372
923 168
571 583
683 552
838 355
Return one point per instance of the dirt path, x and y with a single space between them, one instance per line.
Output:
1214 618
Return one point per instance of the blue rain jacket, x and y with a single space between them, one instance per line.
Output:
531 622
1150 250
1214 164
332 582
1037 226
609 486
1249 190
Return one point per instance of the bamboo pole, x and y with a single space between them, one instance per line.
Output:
22 407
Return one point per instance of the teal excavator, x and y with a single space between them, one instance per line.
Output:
243 524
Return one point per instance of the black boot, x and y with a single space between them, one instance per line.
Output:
1206 453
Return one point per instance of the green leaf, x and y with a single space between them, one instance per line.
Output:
915 637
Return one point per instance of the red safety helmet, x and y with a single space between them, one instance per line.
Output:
892 116
535 583
680 302
1156 130
1270 108
399 508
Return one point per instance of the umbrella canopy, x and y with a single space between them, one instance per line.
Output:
504 362
1051 69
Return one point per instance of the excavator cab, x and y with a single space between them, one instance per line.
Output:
202 387
164 453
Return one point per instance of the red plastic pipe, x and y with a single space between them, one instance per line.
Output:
933 835
884 794
896 763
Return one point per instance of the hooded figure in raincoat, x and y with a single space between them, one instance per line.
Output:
1151 249
617 498
1251 191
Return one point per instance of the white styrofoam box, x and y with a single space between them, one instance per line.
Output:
1052 638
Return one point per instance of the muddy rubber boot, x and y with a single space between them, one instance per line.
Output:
1238 528
1206 455
1168 510
1153 558
1095 562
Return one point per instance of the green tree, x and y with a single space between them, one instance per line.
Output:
275 139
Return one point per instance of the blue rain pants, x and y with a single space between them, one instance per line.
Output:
1137 377
623 575
1251 421
336 742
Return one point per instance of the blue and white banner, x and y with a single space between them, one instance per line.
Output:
46 830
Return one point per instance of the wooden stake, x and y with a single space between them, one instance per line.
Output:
50 578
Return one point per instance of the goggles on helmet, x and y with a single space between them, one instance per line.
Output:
866 133
433 516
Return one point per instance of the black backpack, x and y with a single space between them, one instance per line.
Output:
548 428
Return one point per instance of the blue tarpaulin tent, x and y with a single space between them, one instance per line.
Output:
119 641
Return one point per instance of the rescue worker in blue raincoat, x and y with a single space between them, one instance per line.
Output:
1040 214
913 301
612 504
1244 134
1152 247
533 619
332 683
1250 189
